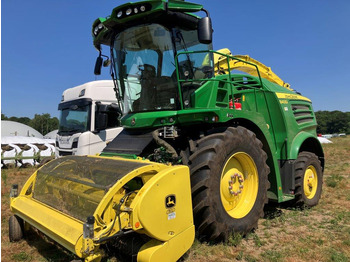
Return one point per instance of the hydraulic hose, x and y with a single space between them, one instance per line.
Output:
161 142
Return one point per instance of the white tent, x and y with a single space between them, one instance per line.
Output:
11 128
51 135
324 140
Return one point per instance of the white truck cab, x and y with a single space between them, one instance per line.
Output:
89 119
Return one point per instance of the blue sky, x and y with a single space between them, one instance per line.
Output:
46 47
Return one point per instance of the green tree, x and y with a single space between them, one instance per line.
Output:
3 117
44 123
23 120
333 122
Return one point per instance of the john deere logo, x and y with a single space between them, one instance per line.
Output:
170 201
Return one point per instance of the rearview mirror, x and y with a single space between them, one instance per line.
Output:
98 65
205 30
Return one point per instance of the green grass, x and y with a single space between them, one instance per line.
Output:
334 180
21 256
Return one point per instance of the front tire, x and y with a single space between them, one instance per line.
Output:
229 178
308 180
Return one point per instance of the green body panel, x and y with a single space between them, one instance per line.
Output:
282 119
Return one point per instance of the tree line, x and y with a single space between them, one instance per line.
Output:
43 123
329 122
333 122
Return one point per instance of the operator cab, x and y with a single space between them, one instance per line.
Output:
152 72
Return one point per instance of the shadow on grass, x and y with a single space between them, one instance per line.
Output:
51 251
46 247
274 210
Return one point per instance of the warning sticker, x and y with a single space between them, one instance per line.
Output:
172 215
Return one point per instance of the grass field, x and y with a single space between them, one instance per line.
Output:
318 234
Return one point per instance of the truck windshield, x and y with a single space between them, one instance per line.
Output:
74 119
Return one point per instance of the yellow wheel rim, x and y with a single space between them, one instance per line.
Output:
310 182
239 185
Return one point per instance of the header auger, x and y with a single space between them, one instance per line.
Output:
203 147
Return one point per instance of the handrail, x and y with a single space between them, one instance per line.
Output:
228 58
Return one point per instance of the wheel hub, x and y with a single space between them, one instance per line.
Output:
236 184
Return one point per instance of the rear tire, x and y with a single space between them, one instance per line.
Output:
15 228
308 180
228 170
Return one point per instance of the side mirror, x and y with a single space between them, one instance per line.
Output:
98 65
101 121
205 30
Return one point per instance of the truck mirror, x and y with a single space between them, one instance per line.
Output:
101 121
116 108
205 30
98 65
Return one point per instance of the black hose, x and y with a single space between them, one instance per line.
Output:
161 142
117 235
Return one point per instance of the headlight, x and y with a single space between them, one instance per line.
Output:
128 12
95 30
98 28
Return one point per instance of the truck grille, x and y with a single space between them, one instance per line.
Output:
65 153
302 113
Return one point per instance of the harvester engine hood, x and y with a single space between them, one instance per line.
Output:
83 202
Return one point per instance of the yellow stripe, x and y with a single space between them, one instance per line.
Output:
292 97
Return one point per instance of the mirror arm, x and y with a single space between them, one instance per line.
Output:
206 12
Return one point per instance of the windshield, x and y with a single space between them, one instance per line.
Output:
75 119
145 66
